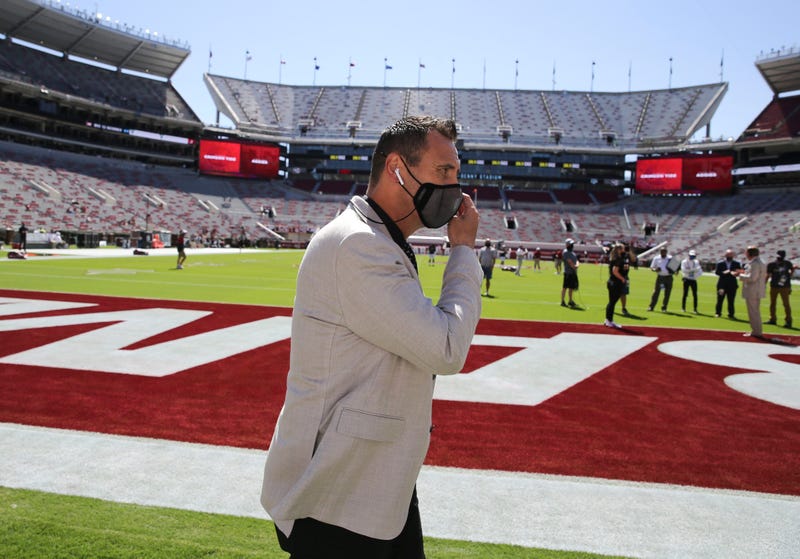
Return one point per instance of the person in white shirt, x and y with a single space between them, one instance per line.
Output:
487 257
690 270
521 252
660 265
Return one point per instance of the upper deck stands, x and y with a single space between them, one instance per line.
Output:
484 116
117 89
780 119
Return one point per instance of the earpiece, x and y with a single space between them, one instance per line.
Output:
399 178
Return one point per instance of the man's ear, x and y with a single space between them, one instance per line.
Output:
392 166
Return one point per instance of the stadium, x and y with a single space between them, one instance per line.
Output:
100 150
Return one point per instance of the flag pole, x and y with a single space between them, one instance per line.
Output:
349 71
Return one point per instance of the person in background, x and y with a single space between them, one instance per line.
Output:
690 270
618 267
521 252
570 282
779 273
754 283
366 347
727 285
660 265
487 257
558 260
630 260
431 254
23 238
180 244
537 259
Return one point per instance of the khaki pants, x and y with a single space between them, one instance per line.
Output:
754 314
784 293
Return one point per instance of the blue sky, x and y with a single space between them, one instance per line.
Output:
579 38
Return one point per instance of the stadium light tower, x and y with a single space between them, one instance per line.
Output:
591 87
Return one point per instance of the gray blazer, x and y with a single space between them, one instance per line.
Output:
754 279
366 343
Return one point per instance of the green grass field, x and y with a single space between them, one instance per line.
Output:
268 278
41 525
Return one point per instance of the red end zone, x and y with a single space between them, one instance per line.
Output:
648 416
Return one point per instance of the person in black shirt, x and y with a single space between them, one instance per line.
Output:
618 267
181 245
779 272
23 238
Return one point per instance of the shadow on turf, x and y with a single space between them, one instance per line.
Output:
622 329
773 340
631 316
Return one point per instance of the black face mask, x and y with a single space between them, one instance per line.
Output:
436 204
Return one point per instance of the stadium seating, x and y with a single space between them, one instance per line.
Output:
779 120
69 192
121 90
599 120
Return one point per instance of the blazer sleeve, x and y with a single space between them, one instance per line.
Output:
383 303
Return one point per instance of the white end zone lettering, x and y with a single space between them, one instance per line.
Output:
101 349
541 369
769 379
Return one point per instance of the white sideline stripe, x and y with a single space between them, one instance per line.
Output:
555 512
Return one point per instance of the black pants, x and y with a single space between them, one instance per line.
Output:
689 285
615 291
312 539
665 283
730 295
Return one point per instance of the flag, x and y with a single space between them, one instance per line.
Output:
249 56
387 67
283 61
352 64
421 65
210 54
316 66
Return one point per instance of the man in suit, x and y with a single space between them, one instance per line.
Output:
727 285
754 285
342 466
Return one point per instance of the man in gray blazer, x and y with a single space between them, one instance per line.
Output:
367 345
754 284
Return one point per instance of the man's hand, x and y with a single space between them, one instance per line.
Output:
463 228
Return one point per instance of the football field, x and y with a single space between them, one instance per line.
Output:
126 380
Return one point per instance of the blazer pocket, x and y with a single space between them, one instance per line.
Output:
370 426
